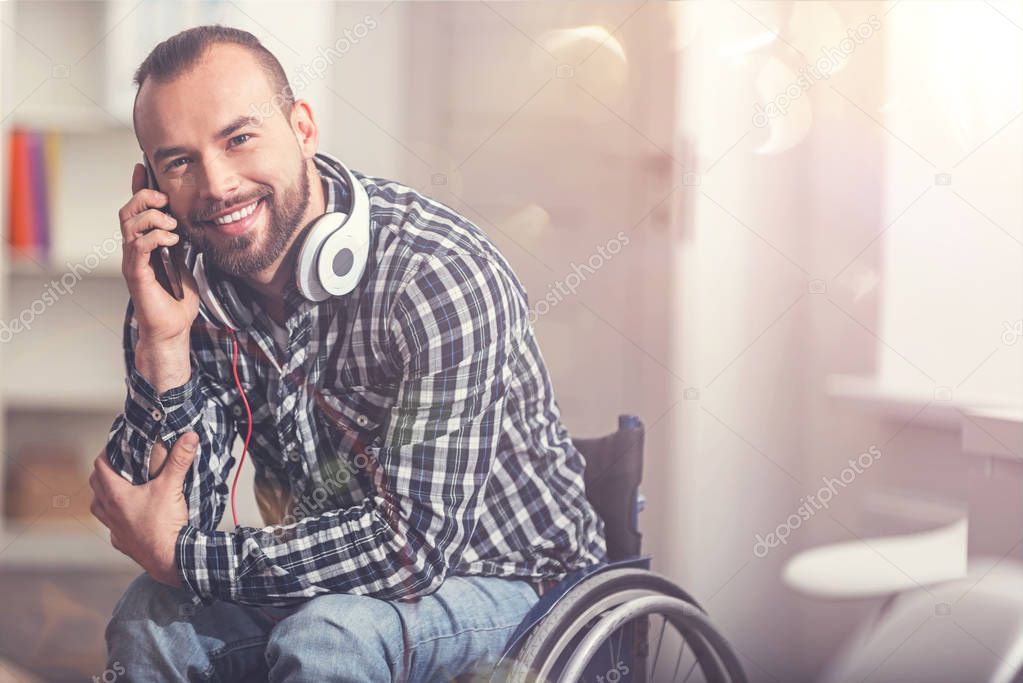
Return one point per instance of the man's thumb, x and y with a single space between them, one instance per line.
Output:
183 453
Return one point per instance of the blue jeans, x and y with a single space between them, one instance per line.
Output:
157 634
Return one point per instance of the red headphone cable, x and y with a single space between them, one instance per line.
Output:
245 448
248 419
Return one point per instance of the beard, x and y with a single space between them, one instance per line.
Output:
244 254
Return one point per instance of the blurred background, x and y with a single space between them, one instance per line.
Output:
787 235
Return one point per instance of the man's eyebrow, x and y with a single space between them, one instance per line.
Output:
162 153
240 122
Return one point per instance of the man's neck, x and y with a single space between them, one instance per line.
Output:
268 285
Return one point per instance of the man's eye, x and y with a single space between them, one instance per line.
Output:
243 135
174 164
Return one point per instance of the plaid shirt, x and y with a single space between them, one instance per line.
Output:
404 432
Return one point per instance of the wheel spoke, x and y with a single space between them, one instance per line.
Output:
691 668
657 651
678 661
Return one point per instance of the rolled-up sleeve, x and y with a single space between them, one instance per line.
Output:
148 416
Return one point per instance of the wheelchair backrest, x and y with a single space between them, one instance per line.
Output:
614 469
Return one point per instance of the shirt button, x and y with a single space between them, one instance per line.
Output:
361 421
157 414
237 410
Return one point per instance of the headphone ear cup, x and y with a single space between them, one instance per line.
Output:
206 293
343 258
307 270
336 248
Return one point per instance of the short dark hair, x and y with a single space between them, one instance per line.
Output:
179 53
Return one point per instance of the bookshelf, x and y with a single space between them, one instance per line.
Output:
66 66
61 382
62 369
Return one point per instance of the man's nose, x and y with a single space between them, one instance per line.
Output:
219 180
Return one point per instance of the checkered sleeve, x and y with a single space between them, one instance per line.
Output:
451 334
149 416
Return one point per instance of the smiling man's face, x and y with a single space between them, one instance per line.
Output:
211 167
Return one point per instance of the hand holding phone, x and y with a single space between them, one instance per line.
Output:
163 291
162 259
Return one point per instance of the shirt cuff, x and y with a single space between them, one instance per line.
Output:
171 413
192 555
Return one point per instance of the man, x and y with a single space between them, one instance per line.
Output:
418 487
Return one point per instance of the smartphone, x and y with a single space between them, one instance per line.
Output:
162 259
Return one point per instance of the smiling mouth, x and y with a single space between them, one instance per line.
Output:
239 220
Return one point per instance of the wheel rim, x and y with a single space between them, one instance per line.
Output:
680 611
594 611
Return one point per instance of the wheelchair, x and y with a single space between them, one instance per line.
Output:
600 624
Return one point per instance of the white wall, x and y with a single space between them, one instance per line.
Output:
802 200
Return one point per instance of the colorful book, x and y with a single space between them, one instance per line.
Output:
37 175
32 169
21 220
51 153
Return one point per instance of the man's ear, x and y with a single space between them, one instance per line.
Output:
304 126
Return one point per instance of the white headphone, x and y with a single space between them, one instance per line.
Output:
332 257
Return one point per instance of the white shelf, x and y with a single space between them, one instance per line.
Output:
71 545
886 565
940 408
25 268
64 403
71 119
997 433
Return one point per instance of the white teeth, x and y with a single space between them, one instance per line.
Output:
237 215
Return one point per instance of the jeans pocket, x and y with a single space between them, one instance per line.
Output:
242 660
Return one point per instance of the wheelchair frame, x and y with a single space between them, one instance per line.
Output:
623 539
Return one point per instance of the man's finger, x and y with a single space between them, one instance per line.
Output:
97 510
138 178
179 460
138 254
141 200
106 475
94 484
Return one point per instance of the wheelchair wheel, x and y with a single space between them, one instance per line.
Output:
600 631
